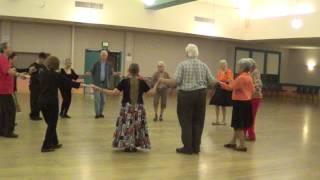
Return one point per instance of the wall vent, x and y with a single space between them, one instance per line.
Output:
204 19
85 4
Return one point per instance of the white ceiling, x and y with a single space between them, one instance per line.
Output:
227 3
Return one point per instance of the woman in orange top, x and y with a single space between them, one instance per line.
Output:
221 97
243 90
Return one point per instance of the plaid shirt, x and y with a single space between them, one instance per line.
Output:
193 74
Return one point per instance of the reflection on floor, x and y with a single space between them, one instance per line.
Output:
287 147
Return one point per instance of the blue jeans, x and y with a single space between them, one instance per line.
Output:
99 102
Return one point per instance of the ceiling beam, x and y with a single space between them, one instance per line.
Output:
161 4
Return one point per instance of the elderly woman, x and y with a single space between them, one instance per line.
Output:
162 91
192 77
66 92
256 99
221 97
243 90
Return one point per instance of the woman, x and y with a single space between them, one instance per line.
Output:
161 92
256 100
66 92
50 81
222 98
131 127
243 90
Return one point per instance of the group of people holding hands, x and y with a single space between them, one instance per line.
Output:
191 79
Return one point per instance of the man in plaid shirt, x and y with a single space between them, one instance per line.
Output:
192 78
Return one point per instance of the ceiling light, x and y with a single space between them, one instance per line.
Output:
296 23
149 2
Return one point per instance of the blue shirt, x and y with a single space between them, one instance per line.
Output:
103 71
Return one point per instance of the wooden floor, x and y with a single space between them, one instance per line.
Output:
288 147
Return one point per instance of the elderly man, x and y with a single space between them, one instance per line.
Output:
162 91
7 105
192 78
102 73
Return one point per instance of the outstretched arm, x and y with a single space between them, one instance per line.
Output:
114 92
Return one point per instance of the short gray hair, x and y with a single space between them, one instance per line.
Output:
253 63
104 52
192 51
245 64
161 63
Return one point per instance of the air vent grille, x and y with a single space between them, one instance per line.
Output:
88 5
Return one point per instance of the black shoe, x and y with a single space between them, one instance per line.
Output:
11 135
101 116
57 146
196 150
183 151
231 146
35 118
97 117
155 118
44 150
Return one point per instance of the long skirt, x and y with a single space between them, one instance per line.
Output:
7 114
131 128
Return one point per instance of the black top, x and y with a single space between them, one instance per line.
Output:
72 76
34 80
124 86
50 81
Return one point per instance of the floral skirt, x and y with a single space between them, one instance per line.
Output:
131 128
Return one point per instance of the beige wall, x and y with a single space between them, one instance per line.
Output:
147 48
91 38
150 48
298 72
26 37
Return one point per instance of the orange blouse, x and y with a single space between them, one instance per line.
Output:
242 87
225 76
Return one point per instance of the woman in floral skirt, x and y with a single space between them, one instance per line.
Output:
131 127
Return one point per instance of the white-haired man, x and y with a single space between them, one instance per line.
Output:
101 72
162 91
192 78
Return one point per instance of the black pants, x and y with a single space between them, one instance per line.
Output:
34 101
7 114
66 101
50 112
191 110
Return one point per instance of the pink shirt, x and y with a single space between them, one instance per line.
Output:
242 87
6 81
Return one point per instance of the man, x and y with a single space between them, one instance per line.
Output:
7 105
101 73
162 91
192 78
35 69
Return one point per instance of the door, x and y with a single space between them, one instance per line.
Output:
91 57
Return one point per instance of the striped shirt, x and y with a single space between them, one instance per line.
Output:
193 74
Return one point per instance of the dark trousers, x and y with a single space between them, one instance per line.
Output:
34 101
191 110
66 101
7 114
50 112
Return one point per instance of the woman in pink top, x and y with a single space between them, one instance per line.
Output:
243 90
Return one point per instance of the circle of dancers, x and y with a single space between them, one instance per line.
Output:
192 80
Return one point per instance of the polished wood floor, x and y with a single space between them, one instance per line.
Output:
287 147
